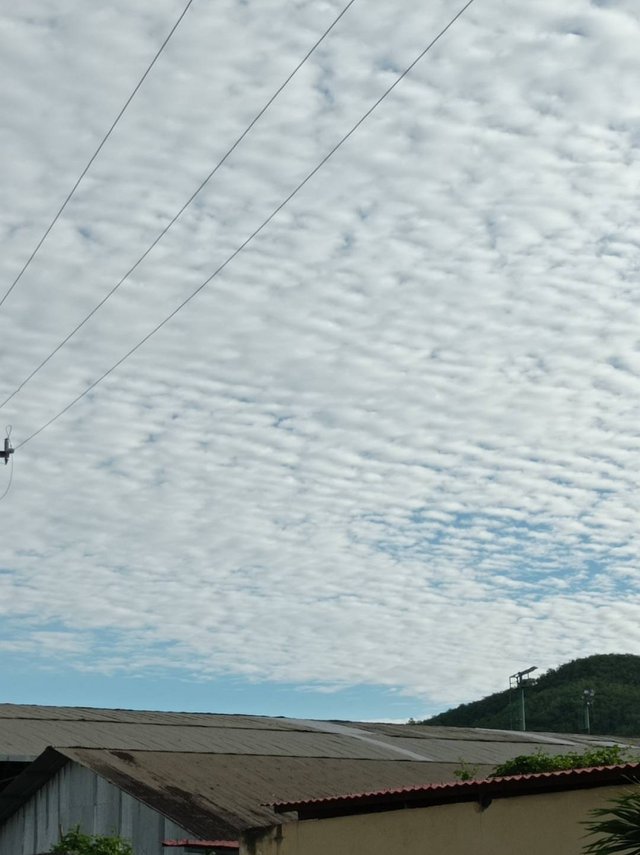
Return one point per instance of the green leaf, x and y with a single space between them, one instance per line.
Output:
74 842
615 827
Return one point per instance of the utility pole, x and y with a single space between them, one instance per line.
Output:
519 681
588 696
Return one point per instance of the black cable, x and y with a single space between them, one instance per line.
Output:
182 209
253 234
4 495
96 153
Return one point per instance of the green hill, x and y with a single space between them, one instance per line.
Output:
555 701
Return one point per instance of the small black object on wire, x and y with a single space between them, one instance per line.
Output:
7 453
8 450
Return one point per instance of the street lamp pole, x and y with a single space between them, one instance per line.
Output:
588 695
518 681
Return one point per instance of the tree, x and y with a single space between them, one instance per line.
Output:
74 842
556 701
616 827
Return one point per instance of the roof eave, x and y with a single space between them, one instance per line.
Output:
37 773
482 792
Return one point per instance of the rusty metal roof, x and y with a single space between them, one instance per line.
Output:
216 796
16 739
25 731
457 791
212 774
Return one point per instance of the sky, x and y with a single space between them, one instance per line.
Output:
388 456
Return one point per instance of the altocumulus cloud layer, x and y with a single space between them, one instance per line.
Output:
396 441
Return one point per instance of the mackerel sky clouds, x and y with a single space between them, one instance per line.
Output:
390 455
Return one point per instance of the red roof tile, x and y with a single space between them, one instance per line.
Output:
451 790
231 845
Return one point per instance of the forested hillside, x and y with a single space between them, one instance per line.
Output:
556 701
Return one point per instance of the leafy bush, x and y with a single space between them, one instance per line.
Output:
525 764
74 842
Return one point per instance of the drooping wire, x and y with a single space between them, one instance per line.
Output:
6 492
96 153
256 231
171 222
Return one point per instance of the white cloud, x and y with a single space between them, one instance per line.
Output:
395 441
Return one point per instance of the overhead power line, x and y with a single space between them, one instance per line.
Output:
96 153
256 231
8 487
182 209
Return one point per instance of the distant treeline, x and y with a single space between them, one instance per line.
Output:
556 700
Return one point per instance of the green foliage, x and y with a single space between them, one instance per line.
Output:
74 842
466 772
555 701
540 761
616 827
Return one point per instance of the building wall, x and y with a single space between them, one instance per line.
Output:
77 796
526 825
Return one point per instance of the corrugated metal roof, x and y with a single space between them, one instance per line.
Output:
451 791
213 774
482 734
25 731
473 751
217 796
95 714
15 739
216 779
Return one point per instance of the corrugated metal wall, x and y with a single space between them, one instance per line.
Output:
77 796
